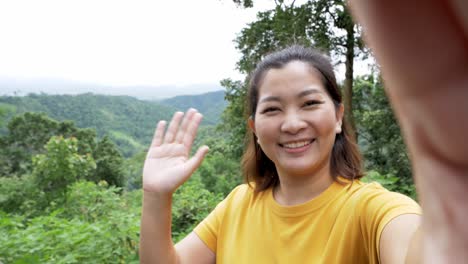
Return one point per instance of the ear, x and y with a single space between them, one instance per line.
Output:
339 118
251 124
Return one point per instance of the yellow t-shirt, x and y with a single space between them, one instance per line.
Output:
342 225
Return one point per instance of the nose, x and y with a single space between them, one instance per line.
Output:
293 123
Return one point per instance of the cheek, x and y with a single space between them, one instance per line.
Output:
326 122
265 130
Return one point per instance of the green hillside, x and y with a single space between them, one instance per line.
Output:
128 121
211 104
119 117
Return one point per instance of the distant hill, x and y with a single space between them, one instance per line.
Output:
211 104
128 121
13 86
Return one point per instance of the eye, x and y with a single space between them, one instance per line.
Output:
312 103
270 109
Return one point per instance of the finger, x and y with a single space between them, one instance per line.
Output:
185 122
195 161
158 134
173 127
192 128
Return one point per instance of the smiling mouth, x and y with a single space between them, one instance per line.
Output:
297 144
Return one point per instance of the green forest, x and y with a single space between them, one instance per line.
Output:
70 165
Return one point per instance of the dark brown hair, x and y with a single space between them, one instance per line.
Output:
345 160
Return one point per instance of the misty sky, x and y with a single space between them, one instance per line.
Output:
122 42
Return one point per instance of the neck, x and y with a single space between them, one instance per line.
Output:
294 190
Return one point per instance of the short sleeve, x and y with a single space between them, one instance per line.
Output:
207 229
378 209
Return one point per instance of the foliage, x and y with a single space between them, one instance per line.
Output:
244 3
390 182
218 174
97 226
90 202
273 29
133 170
131 120
5 110
234 118
191 204
102 113
15 191
379 133
29 132
387 181
333 29
60 166
127 145
108 163
49 239
27 135
211 105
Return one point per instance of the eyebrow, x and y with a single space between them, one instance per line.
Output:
299 95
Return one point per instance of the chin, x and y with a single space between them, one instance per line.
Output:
303 168
299 170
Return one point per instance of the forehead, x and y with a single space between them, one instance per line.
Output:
293 78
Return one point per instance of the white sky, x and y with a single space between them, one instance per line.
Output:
122 42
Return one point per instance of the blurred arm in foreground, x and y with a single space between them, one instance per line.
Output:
422 47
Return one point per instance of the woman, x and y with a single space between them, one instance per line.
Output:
304 202
297 121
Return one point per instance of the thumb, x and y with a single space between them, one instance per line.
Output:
194 162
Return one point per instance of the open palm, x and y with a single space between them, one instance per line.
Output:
167 164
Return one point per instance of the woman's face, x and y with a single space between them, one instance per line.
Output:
296 121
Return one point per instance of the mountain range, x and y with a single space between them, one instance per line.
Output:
129 121
23 86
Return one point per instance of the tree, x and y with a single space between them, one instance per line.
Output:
60 166
274 29
233 118
14 192
380 136
27 135
335 30
3 113
108 163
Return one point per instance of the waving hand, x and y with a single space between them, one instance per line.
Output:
168 164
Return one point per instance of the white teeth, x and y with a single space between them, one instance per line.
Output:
296 144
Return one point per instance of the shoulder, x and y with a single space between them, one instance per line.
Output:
235 199
241 193
377 206
242 189
372 203
375 194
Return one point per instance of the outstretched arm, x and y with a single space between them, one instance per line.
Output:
422 47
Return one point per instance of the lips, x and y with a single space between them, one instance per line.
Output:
296 144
